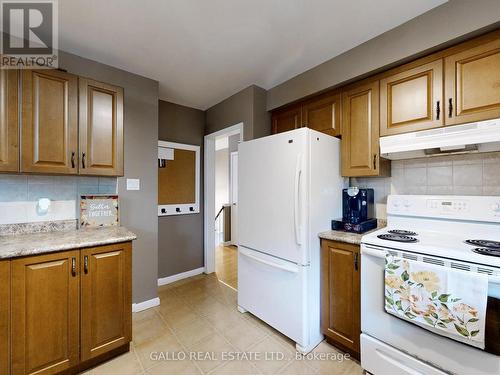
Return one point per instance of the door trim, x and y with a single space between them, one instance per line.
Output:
209 189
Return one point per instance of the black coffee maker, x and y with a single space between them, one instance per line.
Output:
358 211
357 205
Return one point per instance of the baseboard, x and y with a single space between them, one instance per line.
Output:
136 307
180 276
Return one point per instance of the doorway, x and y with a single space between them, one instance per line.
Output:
221 203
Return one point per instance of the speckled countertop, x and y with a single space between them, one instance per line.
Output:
348 237
12 246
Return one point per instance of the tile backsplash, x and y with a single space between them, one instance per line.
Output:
19 188
468 174
18 192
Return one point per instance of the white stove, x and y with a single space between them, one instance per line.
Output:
442 225
432 229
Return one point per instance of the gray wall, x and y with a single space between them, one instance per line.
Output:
420 35
138 208
247 106
180 238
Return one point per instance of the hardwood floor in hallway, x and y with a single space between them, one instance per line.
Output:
226 265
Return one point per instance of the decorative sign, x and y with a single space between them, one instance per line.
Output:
99 211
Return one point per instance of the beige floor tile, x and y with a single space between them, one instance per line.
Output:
148 351
144 315
215 345
353 368
167 291
180 316
297 368
126 364
148 329
284 340
236 368
213 308
273 355
191 333
169 303
244 334
332 362
185 367
203 302
225 319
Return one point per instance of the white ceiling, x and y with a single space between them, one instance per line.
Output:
202 51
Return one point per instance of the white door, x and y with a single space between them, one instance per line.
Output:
271 195
234 197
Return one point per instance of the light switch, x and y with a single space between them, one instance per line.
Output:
133 184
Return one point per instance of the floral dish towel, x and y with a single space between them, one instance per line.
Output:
446 301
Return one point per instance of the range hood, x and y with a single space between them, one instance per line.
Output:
481 136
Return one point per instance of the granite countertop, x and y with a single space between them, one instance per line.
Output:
19 245
347 237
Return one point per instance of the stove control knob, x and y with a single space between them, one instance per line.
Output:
496 207
406 204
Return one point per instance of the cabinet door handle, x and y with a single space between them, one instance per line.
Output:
438 110
450 107
73 159
73 266
356 256
375 161
83 159
86 264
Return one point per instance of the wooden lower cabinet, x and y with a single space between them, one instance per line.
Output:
340 295
106 319
4 317
45 310
70 310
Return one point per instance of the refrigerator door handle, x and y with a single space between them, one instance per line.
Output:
296 191
284 267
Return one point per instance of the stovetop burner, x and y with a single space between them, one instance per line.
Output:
484 243
403 232
397 237
486 251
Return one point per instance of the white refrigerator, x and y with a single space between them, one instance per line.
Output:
289 190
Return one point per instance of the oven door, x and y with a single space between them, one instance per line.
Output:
418 343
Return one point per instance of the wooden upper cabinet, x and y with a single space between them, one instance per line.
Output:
360 132
9 122
106 317
287 119
323 114
45 307
412 100
5 317
101 128
472 80
340 295
50 122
